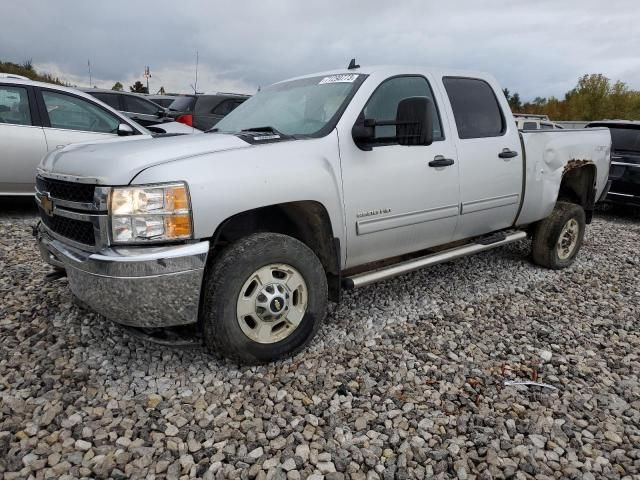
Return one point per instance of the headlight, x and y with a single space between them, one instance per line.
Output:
150 213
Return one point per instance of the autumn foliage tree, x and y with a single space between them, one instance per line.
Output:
595 97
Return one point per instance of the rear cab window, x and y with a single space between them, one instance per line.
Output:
475 108
14 105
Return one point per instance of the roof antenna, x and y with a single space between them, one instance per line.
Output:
352 64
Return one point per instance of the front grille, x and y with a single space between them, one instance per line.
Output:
72 192
76 230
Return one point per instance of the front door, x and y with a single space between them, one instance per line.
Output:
22 142
73 119
395 201
490 158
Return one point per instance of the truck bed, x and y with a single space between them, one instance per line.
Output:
551 153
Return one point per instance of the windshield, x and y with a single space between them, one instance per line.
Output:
304 107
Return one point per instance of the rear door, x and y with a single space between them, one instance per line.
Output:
395 202
22 141
490 157
68 118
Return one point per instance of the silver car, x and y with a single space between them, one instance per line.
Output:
36 118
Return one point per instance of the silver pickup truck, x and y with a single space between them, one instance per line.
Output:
322 182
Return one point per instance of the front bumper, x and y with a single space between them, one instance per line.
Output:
136 286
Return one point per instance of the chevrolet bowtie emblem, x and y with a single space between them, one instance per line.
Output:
46 204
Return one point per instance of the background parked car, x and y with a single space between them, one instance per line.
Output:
534 122
162 100
204 111
39 117
133 105
625 160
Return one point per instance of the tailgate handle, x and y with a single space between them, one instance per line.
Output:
440 161
506 153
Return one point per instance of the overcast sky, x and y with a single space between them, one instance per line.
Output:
534 47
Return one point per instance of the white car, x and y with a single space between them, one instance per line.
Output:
36 118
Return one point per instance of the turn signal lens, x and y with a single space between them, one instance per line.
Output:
178 226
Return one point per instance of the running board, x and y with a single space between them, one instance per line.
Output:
362 279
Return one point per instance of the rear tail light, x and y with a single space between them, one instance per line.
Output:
186 119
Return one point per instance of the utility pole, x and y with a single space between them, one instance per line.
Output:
90 79
147 75
195 85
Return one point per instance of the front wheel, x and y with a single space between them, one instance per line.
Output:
557 239
265 298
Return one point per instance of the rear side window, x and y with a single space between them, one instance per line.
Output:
139 105
226 106
475 108
14 106
182 104
110 99
529 126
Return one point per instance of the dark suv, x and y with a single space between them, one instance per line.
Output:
133 105
625 160
204 111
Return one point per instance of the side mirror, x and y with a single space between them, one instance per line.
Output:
162 113
125 130
414 121
363 132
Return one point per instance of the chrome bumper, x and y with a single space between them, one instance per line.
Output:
136 286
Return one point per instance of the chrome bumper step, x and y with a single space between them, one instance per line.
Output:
479 245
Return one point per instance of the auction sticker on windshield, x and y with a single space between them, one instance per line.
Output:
343 78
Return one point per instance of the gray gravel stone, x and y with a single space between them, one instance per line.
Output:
405 380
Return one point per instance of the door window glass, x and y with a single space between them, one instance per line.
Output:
14 106
110 99
383 105
475 108
140 105
75 113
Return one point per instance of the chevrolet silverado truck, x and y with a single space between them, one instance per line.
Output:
319 183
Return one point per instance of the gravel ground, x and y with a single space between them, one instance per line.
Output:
406 379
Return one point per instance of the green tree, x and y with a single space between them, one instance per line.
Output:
138 87
118 87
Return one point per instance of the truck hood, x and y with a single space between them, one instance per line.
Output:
118 161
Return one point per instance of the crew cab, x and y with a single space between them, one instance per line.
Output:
322 182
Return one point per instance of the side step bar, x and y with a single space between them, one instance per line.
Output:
362 279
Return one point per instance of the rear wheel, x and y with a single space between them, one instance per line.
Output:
557 239
265 298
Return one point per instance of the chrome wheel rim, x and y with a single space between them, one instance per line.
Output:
272 303
568 239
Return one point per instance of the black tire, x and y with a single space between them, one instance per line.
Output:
544 248
225 279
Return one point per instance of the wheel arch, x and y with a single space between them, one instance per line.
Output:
307 221
578 185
